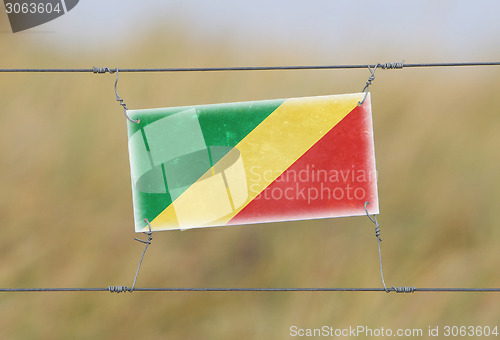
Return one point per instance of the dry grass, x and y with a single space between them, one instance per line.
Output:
66 214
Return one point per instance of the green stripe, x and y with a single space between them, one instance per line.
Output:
145 139
221 125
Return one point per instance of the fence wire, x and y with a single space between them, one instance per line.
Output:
397 65
121 289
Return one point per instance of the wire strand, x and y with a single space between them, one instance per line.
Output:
174 289
248 68
147 243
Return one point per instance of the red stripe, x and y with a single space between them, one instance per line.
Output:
333 178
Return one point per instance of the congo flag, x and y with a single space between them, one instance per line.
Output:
252 162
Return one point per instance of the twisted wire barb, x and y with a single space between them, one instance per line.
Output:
122 289
368 83
102 70
377 235
117 289
371 78
119 100
392 66
379 239
147 243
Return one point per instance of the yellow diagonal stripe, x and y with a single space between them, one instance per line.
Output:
271 148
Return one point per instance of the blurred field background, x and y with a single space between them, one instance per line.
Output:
66 208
